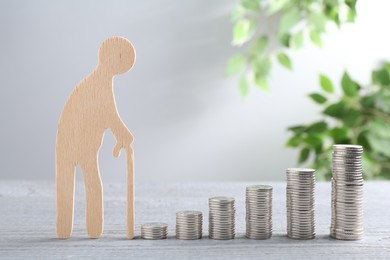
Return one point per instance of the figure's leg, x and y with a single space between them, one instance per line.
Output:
94 197
65 179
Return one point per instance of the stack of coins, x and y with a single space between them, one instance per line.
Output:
259 211
154 230
222 218
347 193
300 203
189 224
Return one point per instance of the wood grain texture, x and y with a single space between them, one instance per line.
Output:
88 112
27 213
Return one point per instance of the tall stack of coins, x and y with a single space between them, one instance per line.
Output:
259 211
222 218
189 224
347 192
300 203
154 230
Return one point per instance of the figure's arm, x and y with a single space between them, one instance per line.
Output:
122 135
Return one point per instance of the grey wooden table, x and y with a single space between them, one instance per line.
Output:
27 224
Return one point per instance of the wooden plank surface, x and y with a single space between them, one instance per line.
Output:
27 224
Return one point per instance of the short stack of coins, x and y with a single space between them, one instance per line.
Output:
300 203
154 230
347 192
222 213
258 211
189 225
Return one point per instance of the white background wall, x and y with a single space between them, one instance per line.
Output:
188 119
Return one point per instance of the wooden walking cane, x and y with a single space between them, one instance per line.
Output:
130 192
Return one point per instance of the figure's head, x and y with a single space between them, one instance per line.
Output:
116 55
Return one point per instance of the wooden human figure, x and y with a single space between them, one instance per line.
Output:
88 112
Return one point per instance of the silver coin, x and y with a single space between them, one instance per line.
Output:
300 170
347 192
258 211
154 230
300 203
222 217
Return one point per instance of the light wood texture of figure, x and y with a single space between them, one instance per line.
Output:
88 112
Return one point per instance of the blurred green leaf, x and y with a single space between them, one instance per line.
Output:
237 13
326 83
332 2
336 110
384 174
368 101
235 64
351 117
304 155
261 83
382 101
351 15
242 31
314 141
288 20
379 145
284 39
381 77
317 128
296 40
284 60
315 38
317 21
351 4
385 65
362 140
276 6
260 44
294 141
297 129
339 135
380 128
261 68
251 5
351 12
318 98
332 11
370 167
244 86
349 87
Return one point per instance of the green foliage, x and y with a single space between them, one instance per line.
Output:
326 83
290 18
284 60
316 38
235 64
350 87
320 99
304 155
242 31
296 21
354 115
244 87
